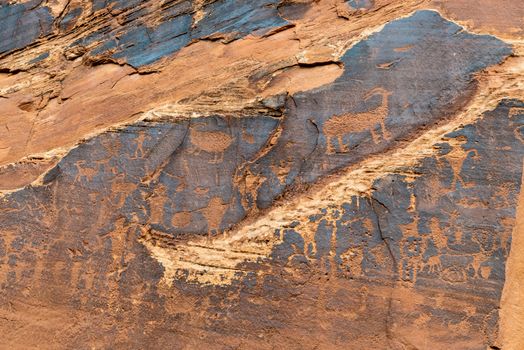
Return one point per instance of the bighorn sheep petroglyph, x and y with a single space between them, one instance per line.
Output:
340 125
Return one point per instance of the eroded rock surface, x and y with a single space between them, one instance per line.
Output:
274 174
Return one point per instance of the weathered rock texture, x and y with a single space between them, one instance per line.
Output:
273 174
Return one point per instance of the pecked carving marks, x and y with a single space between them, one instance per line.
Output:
214 142
160 177
177 177
421 221
423 66
129 209
217 174
339 126
429 242
440 233
200 179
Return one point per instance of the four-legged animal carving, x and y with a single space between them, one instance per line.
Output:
339 126
214 142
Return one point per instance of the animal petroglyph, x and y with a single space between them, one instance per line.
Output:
214 142
339 126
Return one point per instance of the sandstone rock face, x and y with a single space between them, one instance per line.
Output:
287 174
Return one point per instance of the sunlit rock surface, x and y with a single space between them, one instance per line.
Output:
257 175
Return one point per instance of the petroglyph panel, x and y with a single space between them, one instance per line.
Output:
256 175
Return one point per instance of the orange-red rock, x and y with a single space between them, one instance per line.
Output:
287 174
